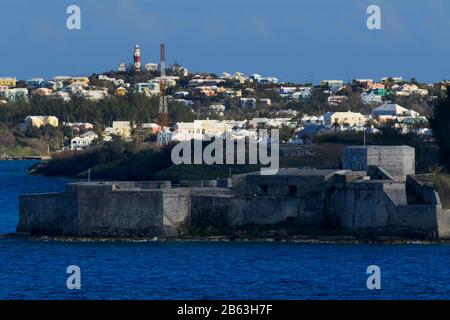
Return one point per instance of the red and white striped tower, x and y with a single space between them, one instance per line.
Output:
137 58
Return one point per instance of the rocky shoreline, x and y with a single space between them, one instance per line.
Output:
288 239
5 157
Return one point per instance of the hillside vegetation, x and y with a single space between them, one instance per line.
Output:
121 160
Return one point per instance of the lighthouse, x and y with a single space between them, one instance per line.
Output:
137 58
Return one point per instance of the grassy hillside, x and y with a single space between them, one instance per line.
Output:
124 161
324 156
26 147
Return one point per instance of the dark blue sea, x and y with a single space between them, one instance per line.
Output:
201 270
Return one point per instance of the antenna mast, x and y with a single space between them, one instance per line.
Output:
163 105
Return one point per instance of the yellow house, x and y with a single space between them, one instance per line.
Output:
123 128
8 82
83 80
221 90
341 118
121 91
39 121
119 128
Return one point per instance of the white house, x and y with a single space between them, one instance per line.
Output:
336 100
371 98
271 122
236 123
312 120
201 129
241 134
408 89
393 110
267 80
332 83
83 141
151 67
95 95
217 107
302 93
15 94
288 90
248 102
148 88
169 81
394 79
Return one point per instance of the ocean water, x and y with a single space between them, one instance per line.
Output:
205 270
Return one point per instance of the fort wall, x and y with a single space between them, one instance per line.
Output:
399 161
47 214
381 200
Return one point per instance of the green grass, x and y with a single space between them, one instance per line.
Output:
203 172
19 151
325 156
119 161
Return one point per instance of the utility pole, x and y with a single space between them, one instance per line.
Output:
364 135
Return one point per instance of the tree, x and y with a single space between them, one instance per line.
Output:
137 134
286 133
6 137
440 124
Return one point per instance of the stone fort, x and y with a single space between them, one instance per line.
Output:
375 191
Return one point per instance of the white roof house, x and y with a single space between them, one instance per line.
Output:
241 134
201 129
312 120
217 107
150 126
235 123
79 143
392 109
90 135
95 95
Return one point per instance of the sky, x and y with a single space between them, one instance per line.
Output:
293 40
